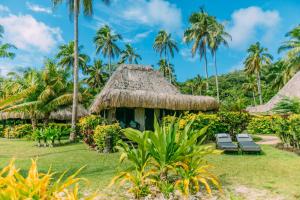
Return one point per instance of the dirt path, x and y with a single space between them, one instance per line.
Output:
269 139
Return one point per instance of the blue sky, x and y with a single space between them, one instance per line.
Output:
37 30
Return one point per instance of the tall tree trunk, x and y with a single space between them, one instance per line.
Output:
254 99
206 71
259 88
109 64
216 76
75 70
33 122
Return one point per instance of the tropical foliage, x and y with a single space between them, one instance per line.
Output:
5 47
38 93
14 185
257 59
129 55
288 106
165 45
106 137
166 157
105 41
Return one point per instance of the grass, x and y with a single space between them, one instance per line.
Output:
99 170
275 170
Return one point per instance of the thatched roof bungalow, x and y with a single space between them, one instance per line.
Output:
135 93
290 90
64 114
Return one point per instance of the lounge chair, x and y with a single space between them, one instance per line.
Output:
247 144
224 142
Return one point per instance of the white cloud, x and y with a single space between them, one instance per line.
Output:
187 55
22 61
26 33
245 24
152 13
38 8
138 37
3 8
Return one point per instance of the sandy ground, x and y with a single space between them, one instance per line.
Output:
269 139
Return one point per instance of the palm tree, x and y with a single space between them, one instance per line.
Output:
65 57
166 69
279 73
199 83
218 37
164 44
74 8
130 55
257 58
97 75
4 48
47 91
200 32
251 86
292 45
106 43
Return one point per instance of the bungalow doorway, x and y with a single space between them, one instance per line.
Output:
149 119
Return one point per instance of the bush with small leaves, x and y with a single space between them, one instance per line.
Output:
106 137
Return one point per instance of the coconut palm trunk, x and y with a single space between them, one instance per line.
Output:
33 121
75 70
216 77
259 88
110 71
206 71
254 99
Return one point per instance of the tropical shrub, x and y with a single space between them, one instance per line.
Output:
87 126
18 131
287 129
166 159
50 134
294 122
229 122
192 172
37 185
106 137
234 122
1 131
140 156
263 124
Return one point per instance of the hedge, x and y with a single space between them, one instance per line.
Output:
228 122
106 137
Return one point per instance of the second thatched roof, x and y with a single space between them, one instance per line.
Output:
290 90
63 114
138 86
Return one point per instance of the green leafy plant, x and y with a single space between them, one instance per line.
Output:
106 137
288 106
263 124
234 122
161 157
168 145
38 185
37 135
18 131
193 173
87 126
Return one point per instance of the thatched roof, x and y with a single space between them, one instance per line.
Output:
62 114
13 115
66 113
139 86
290 90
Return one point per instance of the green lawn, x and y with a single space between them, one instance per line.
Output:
275 170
